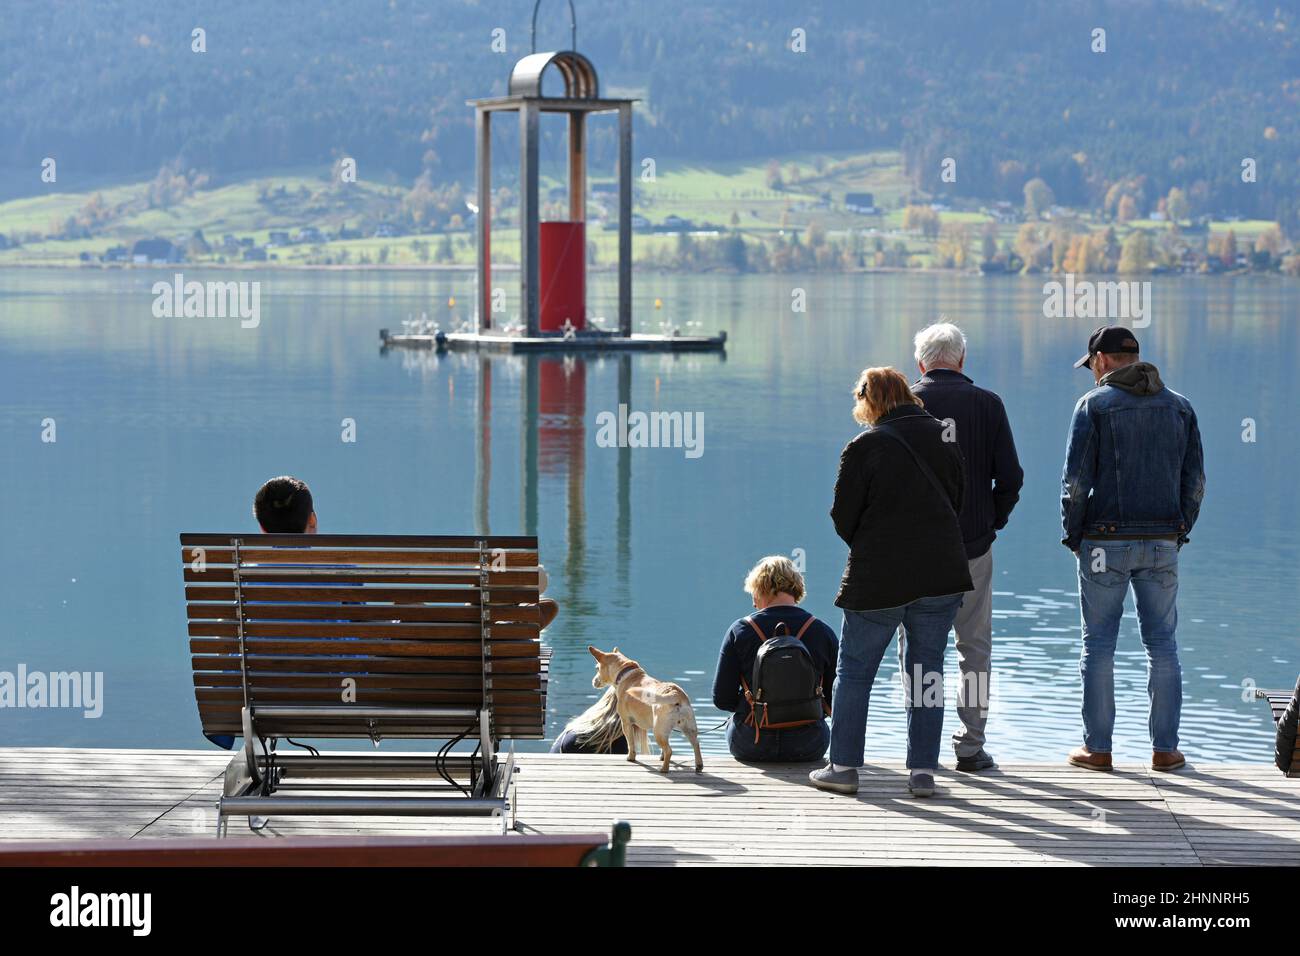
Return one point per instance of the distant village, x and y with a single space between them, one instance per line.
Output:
853 233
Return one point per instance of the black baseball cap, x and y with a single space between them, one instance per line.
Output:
1109 339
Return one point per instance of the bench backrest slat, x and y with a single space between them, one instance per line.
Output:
422 621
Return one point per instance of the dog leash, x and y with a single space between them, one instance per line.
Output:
717 728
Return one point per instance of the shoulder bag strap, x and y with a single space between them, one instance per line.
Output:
920 463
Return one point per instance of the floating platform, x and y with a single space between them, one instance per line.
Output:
586 341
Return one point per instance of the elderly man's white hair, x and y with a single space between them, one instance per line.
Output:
941 344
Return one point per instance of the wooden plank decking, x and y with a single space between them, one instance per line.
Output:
733 813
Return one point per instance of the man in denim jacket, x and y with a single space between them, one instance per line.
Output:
1131 491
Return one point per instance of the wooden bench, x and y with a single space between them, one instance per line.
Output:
1277 702
584 849
338 637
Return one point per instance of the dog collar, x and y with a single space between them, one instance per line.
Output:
627 669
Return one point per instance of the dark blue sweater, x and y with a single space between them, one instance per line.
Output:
740 648
993 472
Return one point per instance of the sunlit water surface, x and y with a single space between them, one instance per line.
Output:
169 425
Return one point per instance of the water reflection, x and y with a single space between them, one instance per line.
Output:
167 426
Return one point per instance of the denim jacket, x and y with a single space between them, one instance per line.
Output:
1133 465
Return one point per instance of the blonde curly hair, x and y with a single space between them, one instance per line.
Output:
773 575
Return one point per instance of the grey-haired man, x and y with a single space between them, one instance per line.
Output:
977 421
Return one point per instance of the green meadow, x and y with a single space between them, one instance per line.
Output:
767 200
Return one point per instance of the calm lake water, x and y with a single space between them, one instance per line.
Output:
170 425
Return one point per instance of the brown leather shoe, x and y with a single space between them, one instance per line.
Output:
1171 760
1083 757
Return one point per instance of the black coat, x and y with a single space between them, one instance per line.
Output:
993 473
904 541
1286 732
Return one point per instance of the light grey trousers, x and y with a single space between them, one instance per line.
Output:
974 627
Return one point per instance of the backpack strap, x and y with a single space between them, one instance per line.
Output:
807 624
799 634
749 696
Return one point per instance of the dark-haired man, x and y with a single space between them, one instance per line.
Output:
1131 491
283 506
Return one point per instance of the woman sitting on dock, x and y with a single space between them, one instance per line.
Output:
597 730
775 671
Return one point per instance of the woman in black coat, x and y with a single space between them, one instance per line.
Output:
896 503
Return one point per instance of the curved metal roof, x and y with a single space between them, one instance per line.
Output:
580 81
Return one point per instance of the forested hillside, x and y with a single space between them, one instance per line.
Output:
1011 90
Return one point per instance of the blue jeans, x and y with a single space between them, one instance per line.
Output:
1106 570
785 745
863 641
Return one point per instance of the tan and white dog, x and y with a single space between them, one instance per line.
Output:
646 704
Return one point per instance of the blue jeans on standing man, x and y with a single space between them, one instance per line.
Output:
863 641
1107 568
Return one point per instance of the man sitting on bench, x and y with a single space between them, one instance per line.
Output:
284 506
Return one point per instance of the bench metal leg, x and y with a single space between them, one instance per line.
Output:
487 748
514 803
252 787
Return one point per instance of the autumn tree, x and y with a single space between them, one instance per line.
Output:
173 184
1177 208
989 244
773 176
1228 249
952 251
921 218
1135 257
1269 242
1031 249
1038 198
815 235
1077 255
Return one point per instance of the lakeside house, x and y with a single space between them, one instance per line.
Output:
156 252
864 203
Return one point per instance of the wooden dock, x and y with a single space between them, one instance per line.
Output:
733 813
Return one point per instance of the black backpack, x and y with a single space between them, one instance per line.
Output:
787 684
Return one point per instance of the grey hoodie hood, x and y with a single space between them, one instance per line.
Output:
1140 378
